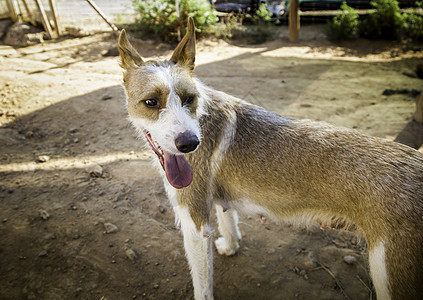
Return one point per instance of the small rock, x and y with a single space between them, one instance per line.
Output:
271 251
44 214
95 170
110 228
76 31
309 260
106 97
73 130
130 254
43 158
22 35
110 52
349 259
43 253
156 286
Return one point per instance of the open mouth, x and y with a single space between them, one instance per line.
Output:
178 171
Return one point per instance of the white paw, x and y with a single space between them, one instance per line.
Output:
224 249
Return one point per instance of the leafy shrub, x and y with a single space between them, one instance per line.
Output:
230 27
344 25
414 24
159 17
262 29
386 21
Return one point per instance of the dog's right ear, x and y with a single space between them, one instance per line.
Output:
129 57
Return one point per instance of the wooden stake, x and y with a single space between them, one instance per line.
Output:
97 9
294 21
56 21
14 12
29 13
44 18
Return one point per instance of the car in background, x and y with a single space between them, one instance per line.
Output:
276 7
280 8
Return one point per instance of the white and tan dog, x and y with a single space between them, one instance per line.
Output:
217 150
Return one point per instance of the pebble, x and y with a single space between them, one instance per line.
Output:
309 261
43 253
44 214
95 170
130 254
110 228
43 158
349 259
106 97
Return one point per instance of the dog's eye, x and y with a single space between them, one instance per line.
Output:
151 102
189 100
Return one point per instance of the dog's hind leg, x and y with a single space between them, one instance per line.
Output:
198 249
228 243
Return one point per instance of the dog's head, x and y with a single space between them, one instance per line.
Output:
163 103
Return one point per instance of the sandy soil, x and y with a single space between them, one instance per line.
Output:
70 164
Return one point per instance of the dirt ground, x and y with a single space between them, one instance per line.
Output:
84 216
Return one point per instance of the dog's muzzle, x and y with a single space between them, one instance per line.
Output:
186 142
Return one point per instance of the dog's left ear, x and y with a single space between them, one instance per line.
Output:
129 57
184 53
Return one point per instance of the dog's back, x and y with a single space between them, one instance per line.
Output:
301 169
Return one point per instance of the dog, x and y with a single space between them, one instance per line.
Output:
216 150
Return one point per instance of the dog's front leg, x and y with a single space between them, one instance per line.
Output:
227 219
198 249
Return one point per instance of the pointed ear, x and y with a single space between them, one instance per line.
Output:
184 53
129 57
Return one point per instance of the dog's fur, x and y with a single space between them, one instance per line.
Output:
273 166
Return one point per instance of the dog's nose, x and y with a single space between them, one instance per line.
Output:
186 142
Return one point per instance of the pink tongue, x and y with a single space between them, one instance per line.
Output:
178 171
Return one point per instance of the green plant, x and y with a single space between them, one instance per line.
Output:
160 18
386 21
262 16
230 27
344 25
414 23
262 29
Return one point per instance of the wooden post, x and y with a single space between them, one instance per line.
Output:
294 21
53 12
44 19
14 12
29 13
97 9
